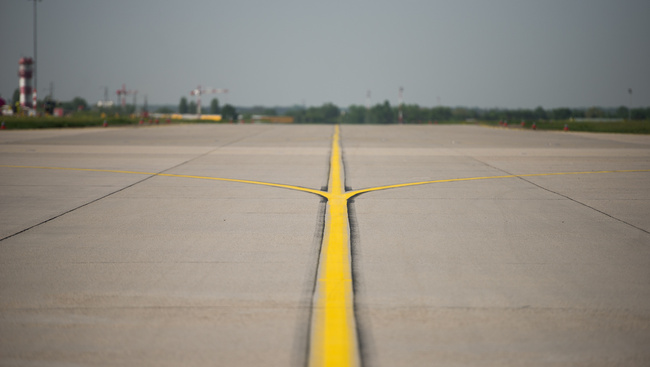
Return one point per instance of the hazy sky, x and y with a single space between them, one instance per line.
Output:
475 53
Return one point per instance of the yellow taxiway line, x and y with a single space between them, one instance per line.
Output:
350 194
291 187
333 333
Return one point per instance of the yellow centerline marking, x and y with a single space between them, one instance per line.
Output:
334 338
333 333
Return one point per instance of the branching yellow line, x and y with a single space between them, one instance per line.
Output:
350 194
324 194
290 187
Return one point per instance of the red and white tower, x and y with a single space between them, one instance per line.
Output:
25 82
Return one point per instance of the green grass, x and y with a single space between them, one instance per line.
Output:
92 120
626 127
82 120
51 122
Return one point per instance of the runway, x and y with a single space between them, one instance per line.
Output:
208 245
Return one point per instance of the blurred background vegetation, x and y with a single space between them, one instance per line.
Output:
79 113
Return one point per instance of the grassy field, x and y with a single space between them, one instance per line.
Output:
51 122
626 127
87 120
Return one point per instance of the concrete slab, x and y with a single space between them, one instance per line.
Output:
536 271
105 268
143 270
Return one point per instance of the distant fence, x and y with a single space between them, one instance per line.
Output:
254 118
178 116
273 119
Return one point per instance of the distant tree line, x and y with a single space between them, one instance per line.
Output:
191 107
384 113
381 113
228 112
327 113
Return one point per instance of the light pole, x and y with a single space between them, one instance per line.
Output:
400 118
629 109
35 58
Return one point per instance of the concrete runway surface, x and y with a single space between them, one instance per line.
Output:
121 246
